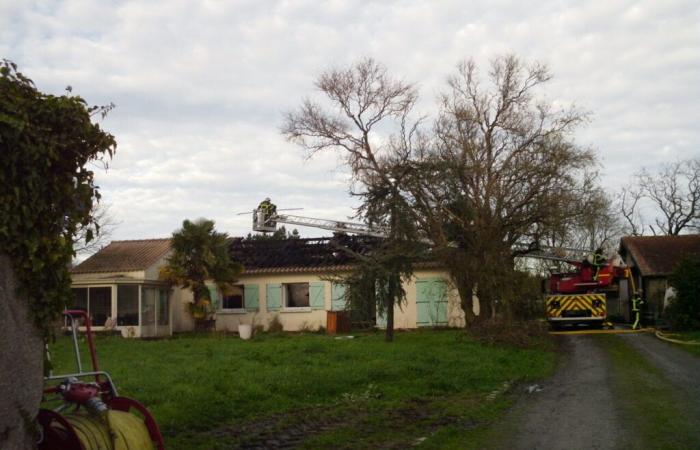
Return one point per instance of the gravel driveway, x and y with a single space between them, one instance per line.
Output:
577 408
566 413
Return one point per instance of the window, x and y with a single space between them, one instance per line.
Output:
296 295
163 313
127 304
148 306
80 299
100 304
235 298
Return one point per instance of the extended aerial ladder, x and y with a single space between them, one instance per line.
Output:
264 222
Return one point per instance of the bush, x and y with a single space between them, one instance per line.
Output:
683 312
275 325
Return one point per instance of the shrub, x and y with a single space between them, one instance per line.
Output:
683 312
275 326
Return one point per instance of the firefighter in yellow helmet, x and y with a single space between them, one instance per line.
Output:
268 209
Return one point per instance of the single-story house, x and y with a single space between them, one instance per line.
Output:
652 259
293 281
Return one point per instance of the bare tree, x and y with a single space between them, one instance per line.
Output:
360 101
592 221
630 197
502 169
92 237
673 191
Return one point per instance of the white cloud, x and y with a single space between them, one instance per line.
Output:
200 86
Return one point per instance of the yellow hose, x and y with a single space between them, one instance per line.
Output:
643 330
665 337
657 333
129 431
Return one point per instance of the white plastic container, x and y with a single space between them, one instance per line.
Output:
245 331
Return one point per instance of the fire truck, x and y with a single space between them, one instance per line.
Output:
580 296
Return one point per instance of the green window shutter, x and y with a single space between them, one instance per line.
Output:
338 301
251 297
317 295
274 297
440 302
423 288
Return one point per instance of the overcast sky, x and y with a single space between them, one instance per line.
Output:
200 87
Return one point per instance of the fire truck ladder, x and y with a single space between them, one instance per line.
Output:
267 224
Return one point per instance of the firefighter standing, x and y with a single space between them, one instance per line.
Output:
636 309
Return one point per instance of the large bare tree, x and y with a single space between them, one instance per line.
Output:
498 167
365 115
502 169
673 192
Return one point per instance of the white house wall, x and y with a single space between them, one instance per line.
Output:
405 316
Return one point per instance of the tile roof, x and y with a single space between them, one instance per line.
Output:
125 256
659 255
257 256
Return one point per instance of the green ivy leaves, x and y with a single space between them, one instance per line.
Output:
45 190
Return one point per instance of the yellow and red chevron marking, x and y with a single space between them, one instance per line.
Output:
576 302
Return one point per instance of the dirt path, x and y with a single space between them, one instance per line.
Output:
566 413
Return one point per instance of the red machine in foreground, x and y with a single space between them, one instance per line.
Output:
580 296
91 415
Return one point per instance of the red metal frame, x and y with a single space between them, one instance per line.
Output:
64 436
88 333
587 278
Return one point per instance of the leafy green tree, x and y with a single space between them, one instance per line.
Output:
200 254
684 310
46 194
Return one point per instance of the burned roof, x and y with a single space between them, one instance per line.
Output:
659 255
294 255
299 254
125 256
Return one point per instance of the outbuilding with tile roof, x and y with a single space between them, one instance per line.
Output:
652 259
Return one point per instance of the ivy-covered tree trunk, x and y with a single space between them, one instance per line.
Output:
20 366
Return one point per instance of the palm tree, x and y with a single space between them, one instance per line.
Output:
200 254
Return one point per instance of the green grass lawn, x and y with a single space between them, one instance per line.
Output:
689 336
214 391
651 406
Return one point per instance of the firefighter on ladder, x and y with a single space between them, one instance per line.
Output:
599 261
268 209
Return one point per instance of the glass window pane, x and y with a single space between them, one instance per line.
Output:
79 299
127 304
297 295
148 306
100 305
163 313
234 298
